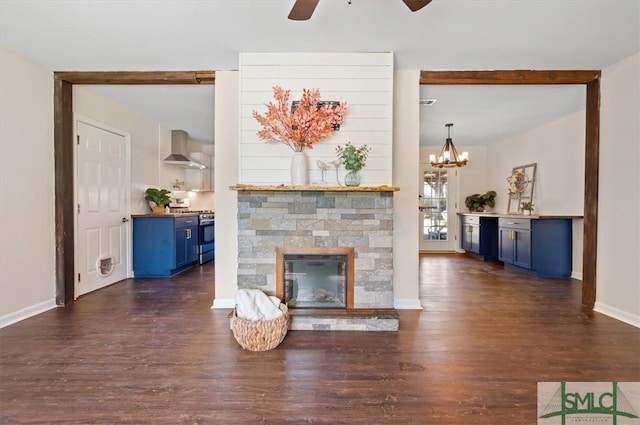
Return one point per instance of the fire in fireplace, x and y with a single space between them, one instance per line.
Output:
315 277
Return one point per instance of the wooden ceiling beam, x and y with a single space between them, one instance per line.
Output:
508 77
136 77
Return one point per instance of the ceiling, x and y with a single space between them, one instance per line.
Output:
150 35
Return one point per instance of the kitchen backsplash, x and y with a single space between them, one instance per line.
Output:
202 201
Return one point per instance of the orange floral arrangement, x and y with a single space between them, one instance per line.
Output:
311 122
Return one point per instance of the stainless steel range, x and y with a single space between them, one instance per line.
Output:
206 236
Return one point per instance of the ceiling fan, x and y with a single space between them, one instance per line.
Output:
303 9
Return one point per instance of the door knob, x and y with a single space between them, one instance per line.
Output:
125 219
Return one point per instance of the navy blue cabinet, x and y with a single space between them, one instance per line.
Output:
479 236
514 242
470 235
186 237
539 246
164 246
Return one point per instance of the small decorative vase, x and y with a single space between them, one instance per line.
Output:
352 178
527 212
299 169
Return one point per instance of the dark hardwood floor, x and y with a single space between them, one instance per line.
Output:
151 351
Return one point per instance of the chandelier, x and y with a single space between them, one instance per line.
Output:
449 157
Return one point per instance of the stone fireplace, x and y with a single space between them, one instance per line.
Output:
314 220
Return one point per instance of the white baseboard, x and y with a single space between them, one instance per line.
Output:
224 303
576 275
407 304
25 313
623 316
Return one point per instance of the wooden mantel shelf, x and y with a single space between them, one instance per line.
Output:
285 188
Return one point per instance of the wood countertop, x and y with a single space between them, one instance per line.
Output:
537 217
286 188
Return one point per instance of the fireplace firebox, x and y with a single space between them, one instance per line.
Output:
315 277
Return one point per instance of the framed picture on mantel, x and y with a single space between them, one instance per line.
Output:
521 185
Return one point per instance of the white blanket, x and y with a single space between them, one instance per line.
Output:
253 304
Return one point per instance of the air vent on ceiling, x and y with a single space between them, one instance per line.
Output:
427 102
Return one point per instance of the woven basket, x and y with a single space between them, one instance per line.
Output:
261 335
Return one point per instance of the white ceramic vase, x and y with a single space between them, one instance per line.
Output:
299 169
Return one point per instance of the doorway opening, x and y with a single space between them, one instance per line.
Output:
591 79
64 167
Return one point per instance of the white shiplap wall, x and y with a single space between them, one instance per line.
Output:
363 80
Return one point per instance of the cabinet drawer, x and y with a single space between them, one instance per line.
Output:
186 221
515 223
466 219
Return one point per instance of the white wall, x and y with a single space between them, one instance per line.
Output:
406 168
226 174
558 149
27 216
472 178
363 80
618 268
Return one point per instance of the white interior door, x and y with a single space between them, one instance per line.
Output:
437 209
103 210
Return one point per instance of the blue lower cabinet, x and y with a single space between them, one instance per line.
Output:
164 246
514 242
551 247
479 236
539 246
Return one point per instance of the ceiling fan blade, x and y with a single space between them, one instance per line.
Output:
416 5
303 9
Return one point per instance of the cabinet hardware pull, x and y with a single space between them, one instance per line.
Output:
188 233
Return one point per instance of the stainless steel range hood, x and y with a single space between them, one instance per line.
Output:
178 157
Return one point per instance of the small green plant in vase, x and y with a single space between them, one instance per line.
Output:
354 160
158 199
526 207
